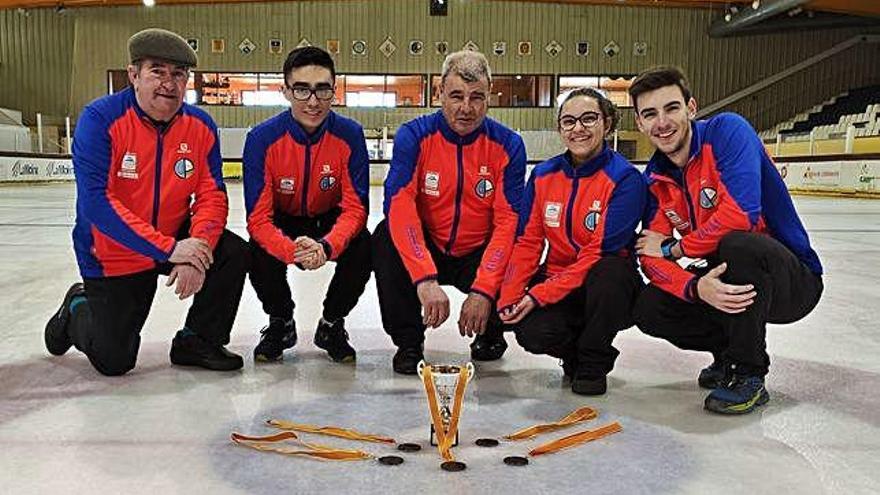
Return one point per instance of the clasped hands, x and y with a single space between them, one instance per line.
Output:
474 314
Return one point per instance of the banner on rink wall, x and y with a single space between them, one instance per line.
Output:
850 176
20 169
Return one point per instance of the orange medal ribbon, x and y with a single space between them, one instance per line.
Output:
445 438
576 439
583 414
332 431
311 450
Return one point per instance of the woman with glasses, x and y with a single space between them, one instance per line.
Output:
585 204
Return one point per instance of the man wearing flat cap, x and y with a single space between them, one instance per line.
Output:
150 201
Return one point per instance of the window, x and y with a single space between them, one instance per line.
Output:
117 80
377 90
521 91
614 86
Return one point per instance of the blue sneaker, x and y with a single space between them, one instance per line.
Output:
741 396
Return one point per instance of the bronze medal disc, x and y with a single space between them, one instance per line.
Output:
453 466
515 460
409 447
391 460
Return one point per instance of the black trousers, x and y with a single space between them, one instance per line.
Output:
582 326
398 300
786 292
269 274
107 327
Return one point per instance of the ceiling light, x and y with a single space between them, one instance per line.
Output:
756 4
150 3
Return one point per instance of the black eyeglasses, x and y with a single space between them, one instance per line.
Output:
303 93
587 119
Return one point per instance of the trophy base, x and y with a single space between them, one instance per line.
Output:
434 438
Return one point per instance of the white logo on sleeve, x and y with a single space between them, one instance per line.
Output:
128 170
432 183
552 214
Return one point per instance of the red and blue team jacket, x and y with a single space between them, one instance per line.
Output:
728 184
462 191
583 213
289 171
135 185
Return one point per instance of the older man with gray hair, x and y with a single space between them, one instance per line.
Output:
451 206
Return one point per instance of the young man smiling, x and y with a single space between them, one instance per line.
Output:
140 157
715 194
306 180
451 203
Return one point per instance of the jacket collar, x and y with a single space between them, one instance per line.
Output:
591 166
661 164
300 135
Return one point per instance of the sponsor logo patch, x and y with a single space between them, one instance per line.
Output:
128 170
552 213
286 185
184 168
183 149
432 183
676 221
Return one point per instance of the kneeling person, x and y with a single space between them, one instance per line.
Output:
306 181
715 194
139 156
585 204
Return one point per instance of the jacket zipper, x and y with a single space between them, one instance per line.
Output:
305 189
568 214
458 191
157 179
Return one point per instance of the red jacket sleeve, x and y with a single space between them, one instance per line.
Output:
735 151
354 204
667 275
404 225
258 183
505 211
211 205
527 251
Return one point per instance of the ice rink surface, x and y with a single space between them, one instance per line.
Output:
163 430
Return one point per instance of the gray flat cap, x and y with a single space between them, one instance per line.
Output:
162 45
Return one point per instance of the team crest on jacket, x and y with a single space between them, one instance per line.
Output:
327 182
708 197
484 188
184 168
432 183
591 221
552 213
677 223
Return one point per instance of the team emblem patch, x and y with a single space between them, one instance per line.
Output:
591 221
552 213
679 224
432 183
327 182
708 197
484 188
286 185
184 168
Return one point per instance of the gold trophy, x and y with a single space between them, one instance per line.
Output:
445 385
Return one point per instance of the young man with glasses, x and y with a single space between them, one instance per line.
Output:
306 182
584 205
150 201
715 194
451 202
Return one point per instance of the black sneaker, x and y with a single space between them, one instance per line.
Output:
588 384
407 359
569 367
742 395
56 337
334 339
716 375
192 350
276 337
485 348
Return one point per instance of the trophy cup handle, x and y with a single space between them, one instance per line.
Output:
420 367
470 368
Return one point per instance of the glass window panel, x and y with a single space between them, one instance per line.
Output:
615 87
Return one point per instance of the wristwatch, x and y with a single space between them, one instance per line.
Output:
666 248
